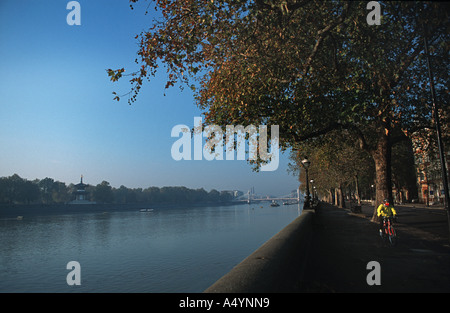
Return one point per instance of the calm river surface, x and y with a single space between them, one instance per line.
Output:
167 250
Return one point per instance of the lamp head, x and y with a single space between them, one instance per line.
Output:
306 163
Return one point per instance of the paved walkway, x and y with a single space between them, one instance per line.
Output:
344 243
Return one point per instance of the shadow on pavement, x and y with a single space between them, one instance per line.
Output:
344 243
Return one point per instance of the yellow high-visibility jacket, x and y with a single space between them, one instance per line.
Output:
386 210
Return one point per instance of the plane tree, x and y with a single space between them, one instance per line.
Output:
336 164
311 67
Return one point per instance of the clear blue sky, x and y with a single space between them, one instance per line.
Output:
57 114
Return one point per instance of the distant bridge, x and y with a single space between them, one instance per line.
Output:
252 197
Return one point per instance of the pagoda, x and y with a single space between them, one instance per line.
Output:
81 195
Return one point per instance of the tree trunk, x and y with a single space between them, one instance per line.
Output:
341 197
383 172
336 197
358 195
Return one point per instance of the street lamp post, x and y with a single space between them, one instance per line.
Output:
313 191
438 131
372 193
306 163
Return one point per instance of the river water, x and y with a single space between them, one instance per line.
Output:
166 250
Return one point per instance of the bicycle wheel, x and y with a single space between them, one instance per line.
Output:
392 235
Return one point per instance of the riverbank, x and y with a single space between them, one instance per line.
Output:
275 266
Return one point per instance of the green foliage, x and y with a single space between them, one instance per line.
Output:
307 66
311 67
53 192
403 168
16 190
335 162
103 193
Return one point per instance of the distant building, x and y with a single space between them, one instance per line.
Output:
80 193
429 175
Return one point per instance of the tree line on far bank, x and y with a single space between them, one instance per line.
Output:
17 190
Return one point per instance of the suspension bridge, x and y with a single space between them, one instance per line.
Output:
252 197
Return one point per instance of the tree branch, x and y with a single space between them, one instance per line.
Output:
359 134
317 133
322 33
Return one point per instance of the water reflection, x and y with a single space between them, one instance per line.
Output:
166 250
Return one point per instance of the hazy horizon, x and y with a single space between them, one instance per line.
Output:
59 120
134 187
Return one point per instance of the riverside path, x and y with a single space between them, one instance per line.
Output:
344 243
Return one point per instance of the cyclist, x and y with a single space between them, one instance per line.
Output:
385 210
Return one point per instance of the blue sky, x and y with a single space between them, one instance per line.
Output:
57 114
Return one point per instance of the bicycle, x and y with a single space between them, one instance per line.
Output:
388 231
